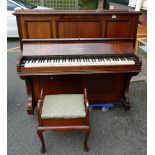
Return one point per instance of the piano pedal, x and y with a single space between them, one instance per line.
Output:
104 107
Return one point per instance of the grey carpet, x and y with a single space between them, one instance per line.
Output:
114 132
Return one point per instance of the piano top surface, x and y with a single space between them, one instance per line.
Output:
74 12
40 48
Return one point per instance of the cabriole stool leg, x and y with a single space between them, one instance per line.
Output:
43 149
86 135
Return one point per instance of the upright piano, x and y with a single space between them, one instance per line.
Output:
65 51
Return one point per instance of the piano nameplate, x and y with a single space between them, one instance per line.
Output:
79 49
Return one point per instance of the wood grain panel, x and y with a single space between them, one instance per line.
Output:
101 88
39 29
47 48
78 29
117 29
77 24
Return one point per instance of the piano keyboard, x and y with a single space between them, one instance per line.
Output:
76 61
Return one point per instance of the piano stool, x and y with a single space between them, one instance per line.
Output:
63 112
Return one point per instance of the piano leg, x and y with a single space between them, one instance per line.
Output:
30 103
126 104
125 98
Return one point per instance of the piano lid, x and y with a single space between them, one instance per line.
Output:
40 48
74 12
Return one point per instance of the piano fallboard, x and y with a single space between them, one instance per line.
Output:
65 47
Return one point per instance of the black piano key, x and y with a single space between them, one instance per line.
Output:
123 59
39 60
29 60
47 59
34 60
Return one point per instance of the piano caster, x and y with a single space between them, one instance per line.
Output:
30 112
30 108
105 109
126 105
127 108
43 150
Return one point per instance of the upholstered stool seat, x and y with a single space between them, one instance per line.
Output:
63 112
63 106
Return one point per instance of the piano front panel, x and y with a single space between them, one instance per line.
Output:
39 29
113 29
78 25
104 87
113 25
35 27
78 29
101 88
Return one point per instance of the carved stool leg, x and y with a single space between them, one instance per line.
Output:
86 135
43 149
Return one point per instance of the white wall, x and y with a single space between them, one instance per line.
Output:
132 3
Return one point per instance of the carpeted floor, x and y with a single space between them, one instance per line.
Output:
114 132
